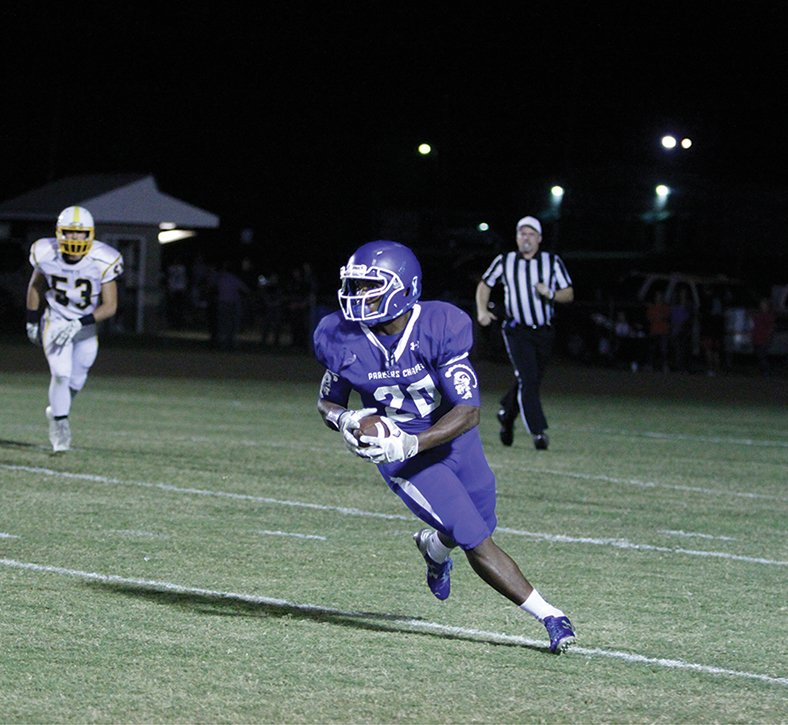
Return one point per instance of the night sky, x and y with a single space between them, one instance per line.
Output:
301 120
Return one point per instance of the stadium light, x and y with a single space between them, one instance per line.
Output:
166 236
670 142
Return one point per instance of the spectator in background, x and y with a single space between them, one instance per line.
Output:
658 318
763 324
627 337
202 280
712 330
177 291
249 276
300 298
681 329
231 294
271 305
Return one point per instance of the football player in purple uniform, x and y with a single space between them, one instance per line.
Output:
74 279
408 360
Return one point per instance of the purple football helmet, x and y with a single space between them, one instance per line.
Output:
382 270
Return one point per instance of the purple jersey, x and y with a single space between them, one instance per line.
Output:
414 377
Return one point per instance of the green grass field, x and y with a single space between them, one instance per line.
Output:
209 552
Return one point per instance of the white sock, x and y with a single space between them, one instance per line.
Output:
436 550
539 608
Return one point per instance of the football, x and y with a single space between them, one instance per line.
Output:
371 425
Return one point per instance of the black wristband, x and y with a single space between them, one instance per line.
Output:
87 320
333 416
33 316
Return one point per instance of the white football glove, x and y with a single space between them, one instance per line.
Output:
398 446
348 422
67 333
32 333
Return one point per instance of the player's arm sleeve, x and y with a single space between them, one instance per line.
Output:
113 270
329 353
334 388
457 378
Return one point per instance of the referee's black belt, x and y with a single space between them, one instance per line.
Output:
512 325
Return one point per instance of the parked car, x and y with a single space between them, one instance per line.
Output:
588 322
737 298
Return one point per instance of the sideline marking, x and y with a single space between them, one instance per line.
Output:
650 484
766 443
406 621
560 538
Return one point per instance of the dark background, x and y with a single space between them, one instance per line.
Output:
300 121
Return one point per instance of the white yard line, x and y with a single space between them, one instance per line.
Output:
412 624
624 544
559 538
695 535
292 535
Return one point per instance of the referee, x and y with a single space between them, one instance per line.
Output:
533 281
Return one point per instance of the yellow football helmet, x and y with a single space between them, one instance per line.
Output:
75 219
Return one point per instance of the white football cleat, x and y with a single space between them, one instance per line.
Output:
63 435
52 426
59 432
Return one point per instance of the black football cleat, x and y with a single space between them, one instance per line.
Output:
506 432
541 441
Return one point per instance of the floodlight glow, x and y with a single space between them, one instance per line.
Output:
425 149
557 191
483 226
669 142
686 143
662 191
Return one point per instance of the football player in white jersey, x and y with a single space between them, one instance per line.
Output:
74 275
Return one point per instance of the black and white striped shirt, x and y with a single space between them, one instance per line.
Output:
524 305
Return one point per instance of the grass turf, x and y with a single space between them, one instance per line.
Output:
209 552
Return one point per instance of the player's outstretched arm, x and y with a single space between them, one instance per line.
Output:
109 301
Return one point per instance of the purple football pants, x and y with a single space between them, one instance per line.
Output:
450 487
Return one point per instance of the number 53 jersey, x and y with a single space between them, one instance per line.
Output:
75 289
414 377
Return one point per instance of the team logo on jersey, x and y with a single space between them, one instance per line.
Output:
463 379
325 384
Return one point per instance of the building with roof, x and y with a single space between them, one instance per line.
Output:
130 213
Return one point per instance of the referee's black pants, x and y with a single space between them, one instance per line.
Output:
529 351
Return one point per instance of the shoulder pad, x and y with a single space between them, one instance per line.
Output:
43 250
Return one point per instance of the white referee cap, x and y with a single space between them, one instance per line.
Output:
530 221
